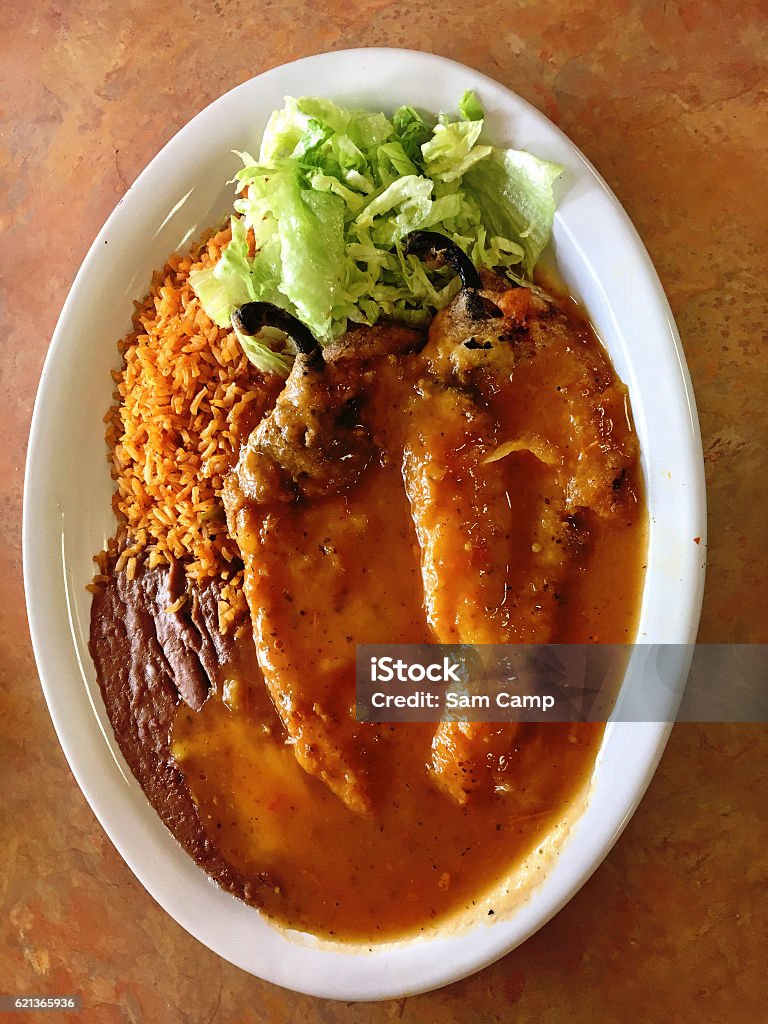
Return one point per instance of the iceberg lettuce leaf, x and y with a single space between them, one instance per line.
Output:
514 192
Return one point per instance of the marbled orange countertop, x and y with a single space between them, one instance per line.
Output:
668 100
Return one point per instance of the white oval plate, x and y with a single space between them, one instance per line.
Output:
67 513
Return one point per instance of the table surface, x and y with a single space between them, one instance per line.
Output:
668 100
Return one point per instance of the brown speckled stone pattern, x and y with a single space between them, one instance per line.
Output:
668 100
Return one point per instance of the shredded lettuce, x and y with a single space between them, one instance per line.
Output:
320 216
470 108
263 356
229 283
